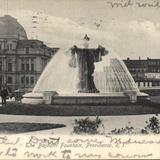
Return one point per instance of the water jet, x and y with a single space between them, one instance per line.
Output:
85 75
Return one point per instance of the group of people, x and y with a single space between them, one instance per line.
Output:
4 95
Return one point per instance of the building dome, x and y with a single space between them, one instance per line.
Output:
10 28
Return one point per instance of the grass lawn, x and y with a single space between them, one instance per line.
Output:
13 127
79 110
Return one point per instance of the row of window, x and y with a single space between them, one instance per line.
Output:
8 46
154 62
144 70
24 80
27 80
27 67
148 84
137 70
28 50
24 67
142 63
154 70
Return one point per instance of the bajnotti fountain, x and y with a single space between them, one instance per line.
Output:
85 76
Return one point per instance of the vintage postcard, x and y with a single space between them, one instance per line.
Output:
79 79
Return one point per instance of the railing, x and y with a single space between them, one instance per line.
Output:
33 51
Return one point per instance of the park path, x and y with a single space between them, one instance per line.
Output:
109 122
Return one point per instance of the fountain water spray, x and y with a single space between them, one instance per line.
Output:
86 72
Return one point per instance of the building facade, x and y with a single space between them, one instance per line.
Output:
21 60
146 72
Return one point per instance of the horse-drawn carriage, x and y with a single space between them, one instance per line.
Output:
18 94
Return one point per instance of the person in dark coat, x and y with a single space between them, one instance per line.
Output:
4 95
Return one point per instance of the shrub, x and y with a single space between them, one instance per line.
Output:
125 130
153 126
87 126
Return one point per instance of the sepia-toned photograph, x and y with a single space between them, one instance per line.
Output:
79 79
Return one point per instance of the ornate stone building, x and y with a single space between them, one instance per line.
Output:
21 60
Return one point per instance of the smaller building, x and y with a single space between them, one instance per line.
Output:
145 72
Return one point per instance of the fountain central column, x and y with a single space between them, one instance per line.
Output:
86 57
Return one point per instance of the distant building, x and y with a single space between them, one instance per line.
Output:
21 60
146 72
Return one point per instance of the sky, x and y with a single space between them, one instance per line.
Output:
130 31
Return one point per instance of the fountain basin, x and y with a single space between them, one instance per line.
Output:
84 99
33 98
